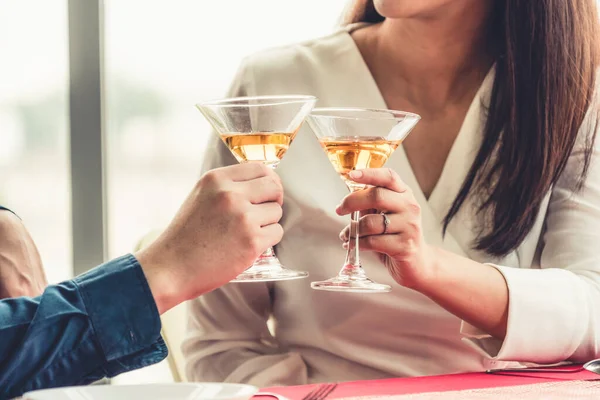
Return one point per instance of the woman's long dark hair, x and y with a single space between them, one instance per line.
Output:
546 63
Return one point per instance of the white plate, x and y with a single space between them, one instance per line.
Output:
173 391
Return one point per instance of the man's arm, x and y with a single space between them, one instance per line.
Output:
106 321
102 323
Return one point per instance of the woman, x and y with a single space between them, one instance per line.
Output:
501 170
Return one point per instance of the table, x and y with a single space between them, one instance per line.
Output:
440 383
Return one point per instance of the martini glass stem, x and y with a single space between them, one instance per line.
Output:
352 268
268 253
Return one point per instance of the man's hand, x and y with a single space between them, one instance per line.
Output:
21 271
226 222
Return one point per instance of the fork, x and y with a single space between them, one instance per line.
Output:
320 392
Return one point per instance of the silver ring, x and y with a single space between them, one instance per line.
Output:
386 222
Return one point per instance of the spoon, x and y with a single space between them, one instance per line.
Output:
592 366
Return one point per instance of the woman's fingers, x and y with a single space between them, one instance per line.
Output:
392 245
390 195
378 198
383 177
374 224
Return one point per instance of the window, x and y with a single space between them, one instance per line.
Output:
34 173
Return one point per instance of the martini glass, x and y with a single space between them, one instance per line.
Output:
260 129
357 138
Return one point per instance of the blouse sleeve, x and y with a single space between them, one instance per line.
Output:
553 311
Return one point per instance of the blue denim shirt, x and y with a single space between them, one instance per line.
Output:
4 208
102 323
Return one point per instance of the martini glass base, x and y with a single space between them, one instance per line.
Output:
350 285
268 275
268 268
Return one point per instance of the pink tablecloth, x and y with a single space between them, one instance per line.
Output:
433 384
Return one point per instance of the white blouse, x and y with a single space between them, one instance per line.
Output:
553 277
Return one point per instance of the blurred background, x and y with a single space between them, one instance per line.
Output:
160 58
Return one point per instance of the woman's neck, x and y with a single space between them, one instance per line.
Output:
438 58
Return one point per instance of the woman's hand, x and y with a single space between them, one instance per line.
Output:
400 244
479 292
21 271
